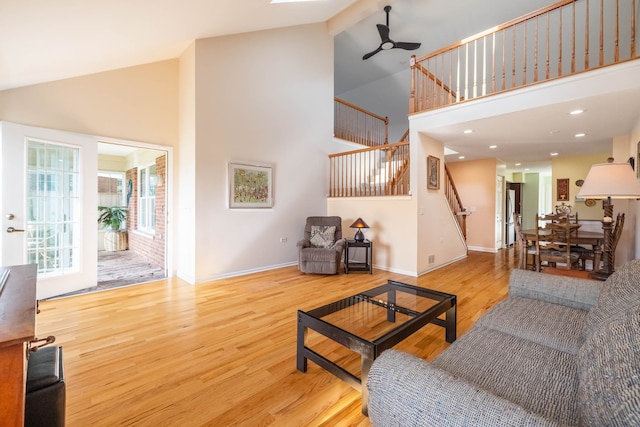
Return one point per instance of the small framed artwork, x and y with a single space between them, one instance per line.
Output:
562 189
433 173
250 186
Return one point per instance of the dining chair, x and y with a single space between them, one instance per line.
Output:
587 254
526 248
617 232
553 242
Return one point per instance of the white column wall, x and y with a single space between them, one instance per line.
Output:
264 97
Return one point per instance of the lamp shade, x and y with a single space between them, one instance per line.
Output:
614 180
359 223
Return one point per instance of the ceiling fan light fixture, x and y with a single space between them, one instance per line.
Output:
385 41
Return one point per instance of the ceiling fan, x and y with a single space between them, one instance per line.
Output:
386 43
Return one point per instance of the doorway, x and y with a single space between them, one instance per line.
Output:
133 178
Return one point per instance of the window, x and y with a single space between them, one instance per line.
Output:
53 208
147 198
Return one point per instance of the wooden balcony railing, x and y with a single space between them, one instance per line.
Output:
373 171
452 196
355 124
563 39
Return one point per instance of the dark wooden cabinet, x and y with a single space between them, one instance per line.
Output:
17 328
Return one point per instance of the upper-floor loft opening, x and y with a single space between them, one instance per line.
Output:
543 44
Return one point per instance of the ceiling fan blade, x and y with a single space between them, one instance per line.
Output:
384 32
407 45
370 54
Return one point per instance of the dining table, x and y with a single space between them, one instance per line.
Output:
578 237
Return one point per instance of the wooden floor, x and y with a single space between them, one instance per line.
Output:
223 353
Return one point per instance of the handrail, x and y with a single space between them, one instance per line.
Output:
493 30
355 124
452 196
371 171
546 44
405 136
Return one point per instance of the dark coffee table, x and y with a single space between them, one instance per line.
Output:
372 321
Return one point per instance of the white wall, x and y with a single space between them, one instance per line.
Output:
262 97
393 228
185 179
438 234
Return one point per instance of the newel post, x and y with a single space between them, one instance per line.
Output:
412 94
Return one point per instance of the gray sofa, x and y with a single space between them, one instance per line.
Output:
558 351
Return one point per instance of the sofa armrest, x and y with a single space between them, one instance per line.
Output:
303 244
407 391
567 291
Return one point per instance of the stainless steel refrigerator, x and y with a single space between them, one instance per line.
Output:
510 231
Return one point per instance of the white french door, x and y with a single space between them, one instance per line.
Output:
49 205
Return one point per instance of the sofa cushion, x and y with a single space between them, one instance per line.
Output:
317 254
530 375
408 391
620 293
322 236
551 325
609 373
569 291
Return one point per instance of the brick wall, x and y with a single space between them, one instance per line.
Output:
152 248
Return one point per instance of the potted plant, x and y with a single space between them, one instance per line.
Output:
113 218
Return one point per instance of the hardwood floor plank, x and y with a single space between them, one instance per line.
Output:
224 352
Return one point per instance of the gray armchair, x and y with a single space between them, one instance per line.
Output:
320 251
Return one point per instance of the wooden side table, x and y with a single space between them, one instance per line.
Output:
367 265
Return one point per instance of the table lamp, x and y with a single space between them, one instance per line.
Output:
609 181
359 224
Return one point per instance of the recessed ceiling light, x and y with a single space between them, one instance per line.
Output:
527 169
580 135
576 112
461 157
518 164
468 131
554 154
493 146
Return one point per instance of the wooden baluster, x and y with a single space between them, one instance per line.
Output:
586 37
633 30
484 66
458 91
573 41
493 64
475 68
513 60
504 52
616 52
524 56
548 46
412 87
601 54
560 47
535 49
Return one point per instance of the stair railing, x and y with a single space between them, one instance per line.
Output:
358 125
452 196
565 38
372 171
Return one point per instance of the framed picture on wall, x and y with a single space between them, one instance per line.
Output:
433 173
562 189
250 186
